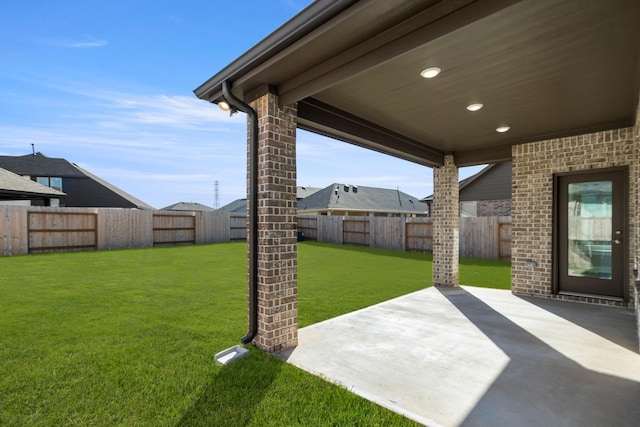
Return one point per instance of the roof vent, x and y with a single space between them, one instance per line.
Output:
346 188
355 188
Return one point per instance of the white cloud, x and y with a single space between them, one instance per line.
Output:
160 148
140 126
165 148
86 42
179 111
85 101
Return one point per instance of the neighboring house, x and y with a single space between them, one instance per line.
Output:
82 188
188 206
354 200
487 193
240 206
236 207
303 192
343 199
17 190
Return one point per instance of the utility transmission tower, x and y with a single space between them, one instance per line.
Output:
216 200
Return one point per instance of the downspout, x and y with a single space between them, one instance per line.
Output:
253 207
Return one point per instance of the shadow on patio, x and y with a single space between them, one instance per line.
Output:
474 356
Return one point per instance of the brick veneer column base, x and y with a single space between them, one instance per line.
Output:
446 221
277 226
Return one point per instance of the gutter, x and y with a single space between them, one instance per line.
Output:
309 19
240 105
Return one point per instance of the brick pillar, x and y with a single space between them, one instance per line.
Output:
277 225
446 219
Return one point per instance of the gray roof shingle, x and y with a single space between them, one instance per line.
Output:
361 198
39 165
237 206
188 206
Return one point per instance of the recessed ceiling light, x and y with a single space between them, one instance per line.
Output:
429 73
474 107
502 129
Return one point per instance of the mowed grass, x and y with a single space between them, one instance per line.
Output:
485 273
127 337
338 279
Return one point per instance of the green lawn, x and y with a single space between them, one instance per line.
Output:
335 279
485 273
127 337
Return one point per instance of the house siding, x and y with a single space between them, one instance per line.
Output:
534 166
87 193
494 184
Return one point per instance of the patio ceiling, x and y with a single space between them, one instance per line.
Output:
546 68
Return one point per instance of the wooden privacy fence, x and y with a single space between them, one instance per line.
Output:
487 237
481 237
238 227
174 229
30 229
61 231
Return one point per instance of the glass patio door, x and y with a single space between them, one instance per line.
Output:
591 240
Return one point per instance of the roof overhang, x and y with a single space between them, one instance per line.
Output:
19 195
546 68
16 187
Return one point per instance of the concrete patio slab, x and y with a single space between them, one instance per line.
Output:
483 357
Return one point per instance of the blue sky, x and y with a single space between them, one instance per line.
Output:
108 85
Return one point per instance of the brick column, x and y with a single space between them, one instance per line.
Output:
277 225
446 219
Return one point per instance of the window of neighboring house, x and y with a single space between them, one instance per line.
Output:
469 209
53 182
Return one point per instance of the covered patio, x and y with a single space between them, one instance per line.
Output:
551 85
482 357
